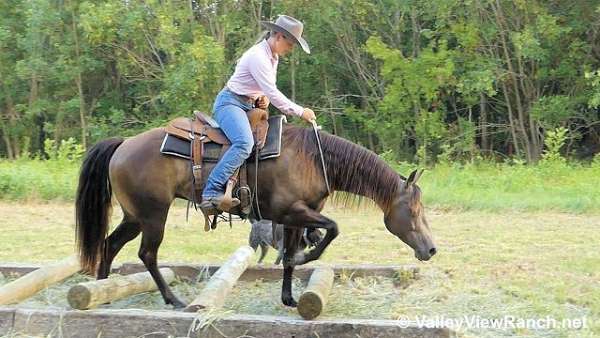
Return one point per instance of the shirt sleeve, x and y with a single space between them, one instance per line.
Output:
264 75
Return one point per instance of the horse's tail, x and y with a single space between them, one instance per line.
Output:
92 203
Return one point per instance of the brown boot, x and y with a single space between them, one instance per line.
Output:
213 205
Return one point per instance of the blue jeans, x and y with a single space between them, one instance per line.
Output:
229 111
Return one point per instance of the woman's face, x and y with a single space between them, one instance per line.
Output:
283 44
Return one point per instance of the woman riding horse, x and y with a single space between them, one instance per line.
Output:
252 82
145 182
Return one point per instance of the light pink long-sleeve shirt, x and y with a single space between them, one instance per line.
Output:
256 74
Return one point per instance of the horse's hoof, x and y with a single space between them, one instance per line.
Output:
289 302
177 304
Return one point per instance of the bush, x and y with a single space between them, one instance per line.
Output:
554 141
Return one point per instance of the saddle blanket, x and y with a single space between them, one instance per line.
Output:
176 146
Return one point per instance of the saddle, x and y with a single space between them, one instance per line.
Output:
202 129
208 129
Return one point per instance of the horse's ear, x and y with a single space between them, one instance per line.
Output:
414 177
411 179
418 176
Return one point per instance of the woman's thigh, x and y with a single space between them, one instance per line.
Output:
234 123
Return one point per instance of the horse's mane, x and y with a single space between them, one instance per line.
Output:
350 167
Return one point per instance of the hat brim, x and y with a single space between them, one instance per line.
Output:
299 40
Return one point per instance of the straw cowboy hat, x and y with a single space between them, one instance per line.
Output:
290 27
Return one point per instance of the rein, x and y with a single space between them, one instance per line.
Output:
316 128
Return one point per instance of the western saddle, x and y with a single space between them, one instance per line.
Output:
203 129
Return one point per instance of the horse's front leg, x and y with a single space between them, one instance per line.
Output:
291 240
301 215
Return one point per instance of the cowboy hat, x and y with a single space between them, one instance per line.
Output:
290 27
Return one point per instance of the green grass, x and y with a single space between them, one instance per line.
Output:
481 186
495 187
512 240
489 264
38 180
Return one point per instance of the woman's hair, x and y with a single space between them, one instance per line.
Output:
264 35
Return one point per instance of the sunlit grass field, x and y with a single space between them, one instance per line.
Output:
526 264
480 186
513 240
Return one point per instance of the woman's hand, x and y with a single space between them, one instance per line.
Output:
262 102
308 115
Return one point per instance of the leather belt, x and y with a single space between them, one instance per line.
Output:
243 98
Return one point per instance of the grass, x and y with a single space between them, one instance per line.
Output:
494 187
481 186
38 180
527 264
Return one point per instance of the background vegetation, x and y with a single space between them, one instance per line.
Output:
551 185
423 80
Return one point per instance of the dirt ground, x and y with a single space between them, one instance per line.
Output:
522 264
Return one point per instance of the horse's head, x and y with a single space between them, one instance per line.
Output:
406 218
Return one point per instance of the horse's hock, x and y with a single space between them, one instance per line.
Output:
20 319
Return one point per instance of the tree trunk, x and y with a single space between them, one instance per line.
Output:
330 102
79 84
293 76
513 131
483 122
519 105
11 117
7 143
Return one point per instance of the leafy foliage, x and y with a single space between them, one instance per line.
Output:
438 80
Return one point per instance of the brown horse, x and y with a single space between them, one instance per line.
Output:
291 191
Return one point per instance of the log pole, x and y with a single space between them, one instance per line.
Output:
314 298
218 286
91 294
37 280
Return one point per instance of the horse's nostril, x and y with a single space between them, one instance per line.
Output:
432 251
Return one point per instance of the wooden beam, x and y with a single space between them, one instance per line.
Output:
218 286
313 299
193 272
31 283
91 294
141 323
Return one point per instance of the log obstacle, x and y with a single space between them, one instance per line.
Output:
91 294
218 286
37 280
313 299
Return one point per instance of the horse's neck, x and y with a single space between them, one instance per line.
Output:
356 170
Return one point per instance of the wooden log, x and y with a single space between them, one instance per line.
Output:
313 299
218 286
37 280
91 294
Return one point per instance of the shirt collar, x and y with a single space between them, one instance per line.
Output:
274 57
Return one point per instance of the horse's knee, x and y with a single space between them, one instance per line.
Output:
332 230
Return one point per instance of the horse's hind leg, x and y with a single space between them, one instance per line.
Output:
152 235
125 232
